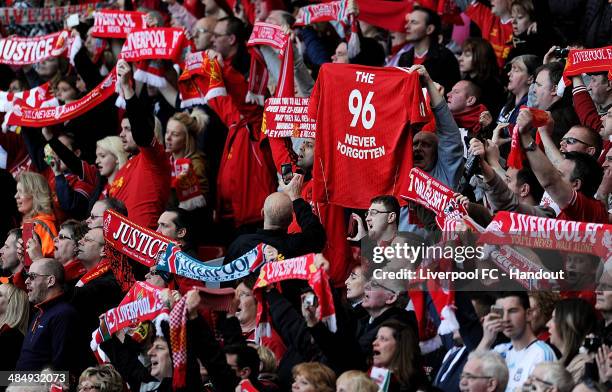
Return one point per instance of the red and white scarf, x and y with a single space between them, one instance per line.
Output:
100 269
510 228
581 61
186 184
159 43
32 50
323 12
24 115
201 80
303 268
27 16
141 303
288 117
117 24
132 240
273 36
35 97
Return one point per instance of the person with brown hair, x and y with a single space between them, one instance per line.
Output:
542 304
103 378
396 348
355 381
313 377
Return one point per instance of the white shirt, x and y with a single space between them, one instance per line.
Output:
521 362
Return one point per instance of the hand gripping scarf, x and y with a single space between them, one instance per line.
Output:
517 156
302 268
273 36
201 80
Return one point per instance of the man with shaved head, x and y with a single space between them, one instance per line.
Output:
278 212
50 338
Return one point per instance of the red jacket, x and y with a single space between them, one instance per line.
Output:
588 115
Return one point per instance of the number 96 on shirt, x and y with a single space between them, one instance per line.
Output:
363 116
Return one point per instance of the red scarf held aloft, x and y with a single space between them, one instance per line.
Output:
28 16
117 24
470 118
132 240
509 228
303 268
32 50
273 36
34 97
288 117
581 61
102 268
186 184
517 156
159 43
201 80
322 12
24 115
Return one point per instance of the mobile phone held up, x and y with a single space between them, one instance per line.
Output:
498 310
286 172
309 299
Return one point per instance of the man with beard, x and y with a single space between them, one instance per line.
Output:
9 256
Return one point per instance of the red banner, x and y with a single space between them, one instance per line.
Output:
134 241
24 115
26 16
24 51
166 43
33 97
117 24
547 233
141 303
268 34
323 12
581 61
288 117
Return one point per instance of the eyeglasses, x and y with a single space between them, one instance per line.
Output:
86 239
33 275
470 377
573 140
217 35
63 237
372 212
375 285
202 31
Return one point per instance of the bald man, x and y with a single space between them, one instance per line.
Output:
203 33
278 212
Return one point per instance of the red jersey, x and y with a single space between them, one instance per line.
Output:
584 209
363 144
143 184
499 34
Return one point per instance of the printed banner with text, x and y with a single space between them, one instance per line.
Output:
288 117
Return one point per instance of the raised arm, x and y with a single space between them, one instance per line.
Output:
141 120
548 176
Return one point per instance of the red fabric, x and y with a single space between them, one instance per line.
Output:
380 142
389 15
593 60
584 209
274 342
245 175
469 119
19 280
143 184
493 30
516 155
237 88
73 270
336 249
585 109
18 159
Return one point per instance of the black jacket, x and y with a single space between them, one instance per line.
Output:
439 62
310 240
10 341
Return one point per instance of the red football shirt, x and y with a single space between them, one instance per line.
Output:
584 209
363 144
143 184
493 30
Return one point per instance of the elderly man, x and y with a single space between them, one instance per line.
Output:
49 340
97 211
277 213
484 371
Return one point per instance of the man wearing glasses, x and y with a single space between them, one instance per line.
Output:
203 33
50 338
484 371
97 211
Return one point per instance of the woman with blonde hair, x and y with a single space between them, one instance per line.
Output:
355 381
189 180
36 207
110 157
103 378
313 377
14 314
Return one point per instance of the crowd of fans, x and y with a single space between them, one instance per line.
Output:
482 64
